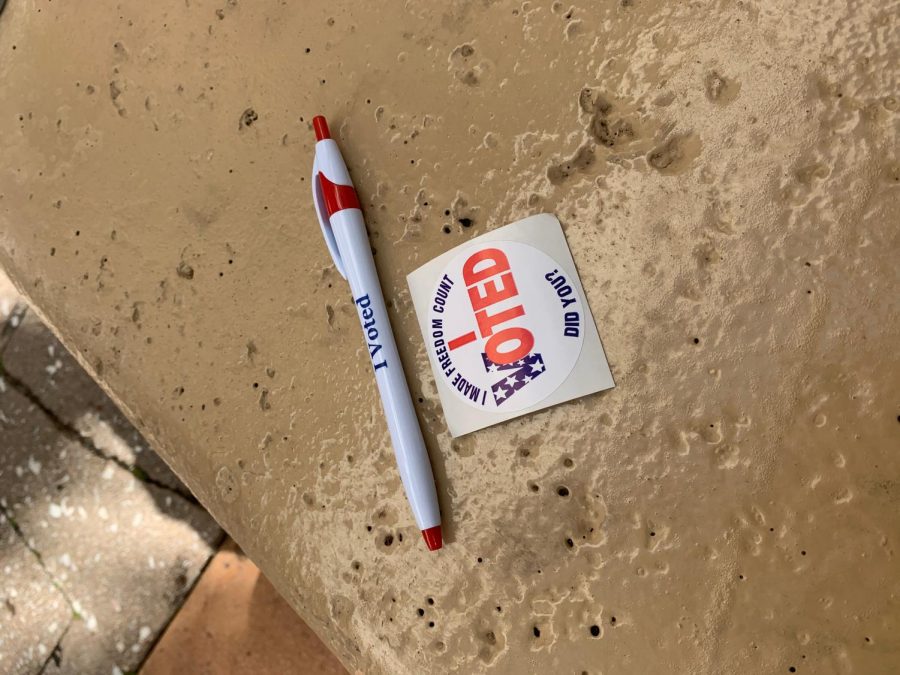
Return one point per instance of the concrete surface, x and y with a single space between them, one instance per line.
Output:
34 614
236 622
727 176
96 554
34 356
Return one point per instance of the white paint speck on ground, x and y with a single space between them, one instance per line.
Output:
120 647
65 560
144 633
53 367
116 670
151 562
108 471
20 471
34 466
103 513
137 520
91 623
55 510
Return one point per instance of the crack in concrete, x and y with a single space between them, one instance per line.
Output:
56 653
73 435
17 530
14 320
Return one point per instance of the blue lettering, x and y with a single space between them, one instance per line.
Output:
367 314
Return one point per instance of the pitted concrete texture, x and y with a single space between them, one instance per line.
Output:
123 551
36 358
34 614
727 177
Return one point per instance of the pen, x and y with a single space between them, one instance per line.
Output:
341 219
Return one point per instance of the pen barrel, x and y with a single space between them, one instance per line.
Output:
406 435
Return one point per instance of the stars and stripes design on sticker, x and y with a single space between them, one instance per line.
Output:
515 375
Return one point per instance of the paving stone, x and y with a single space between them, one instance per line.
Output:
123 550
236 622
34 614
35 357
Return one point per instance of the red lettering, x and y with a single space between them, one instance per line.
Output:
486 322
492 294
461 341
500 264
523 337
489 280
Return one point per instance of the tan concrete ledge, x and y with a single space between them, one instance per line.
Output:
727 177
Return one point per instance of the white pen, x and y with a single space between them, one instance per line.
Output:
337 207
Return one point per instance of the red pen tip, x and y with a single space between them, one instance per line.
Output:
321 128
433 538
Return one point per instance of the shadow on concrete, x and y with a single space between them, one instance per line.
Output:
37 365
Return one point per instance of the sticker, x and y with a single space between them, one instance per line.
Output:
506 325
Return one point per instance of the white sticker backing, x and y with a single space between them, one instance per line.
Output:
506 325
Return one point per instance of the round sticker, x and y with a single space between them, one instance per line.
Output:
506 326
